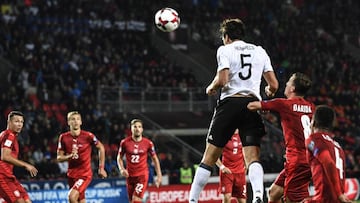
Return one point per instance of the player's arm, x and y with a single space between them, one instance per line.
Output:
222 167
330 170
272 83
254 106
156 162
61 156
101 150
219 81
7 157
120 164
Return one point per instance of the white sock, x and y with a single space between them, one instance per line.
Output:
200 179
256 177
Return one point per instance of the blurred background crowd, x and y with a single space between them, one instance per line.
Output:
61 52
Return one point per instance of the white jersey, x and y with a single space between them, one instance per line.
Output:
246 63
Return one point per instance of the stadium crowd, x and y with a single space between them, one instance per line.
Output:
62 51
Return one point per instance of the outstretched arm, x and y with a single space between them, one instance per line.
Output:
254 106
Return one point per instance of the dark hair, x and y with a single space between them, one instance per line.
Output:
15 113
324 117
233 27
302 83
133 121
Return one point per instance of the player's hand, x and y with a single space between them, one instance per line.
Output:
32 170
211 91
226 170
102 173
268 92
124 173
158 181
343 198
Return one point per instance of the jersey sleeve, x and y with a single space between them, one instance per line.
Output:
273 105
121 151
93 138
9 141
60 146
151 150
267 62
222 59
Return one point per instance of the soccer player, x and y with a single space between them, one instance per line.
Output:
326 159
241 66
75 146
136 150
10 188
232 171
295 113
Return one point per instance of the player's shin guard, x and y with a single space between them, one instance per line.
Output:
256 177
201 177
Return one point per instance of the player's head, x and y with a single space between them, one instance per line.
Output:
233 29
323 118
136 127
74 120
298 84
15 121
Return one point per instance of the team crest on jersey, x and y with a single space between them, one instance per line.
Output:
136 151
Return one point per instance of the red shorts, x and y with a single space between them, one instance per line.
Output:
136 186
280 179
298 177
11 190
79 184
234 183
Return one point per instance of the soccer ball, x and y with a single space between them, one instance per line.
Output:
167 19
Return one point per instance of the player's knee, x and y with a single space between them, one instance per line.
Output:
206 166
251 154
227 198
275 194
253 163
73 197
272 193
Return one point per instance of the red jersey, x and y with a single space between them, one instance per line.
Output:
232 156
295 116
79 166
136 155
8 140
327 162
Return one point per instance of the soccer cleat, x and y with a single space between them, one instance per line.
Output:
192 201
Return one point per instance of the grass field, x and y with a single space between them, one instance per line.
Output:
357 201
